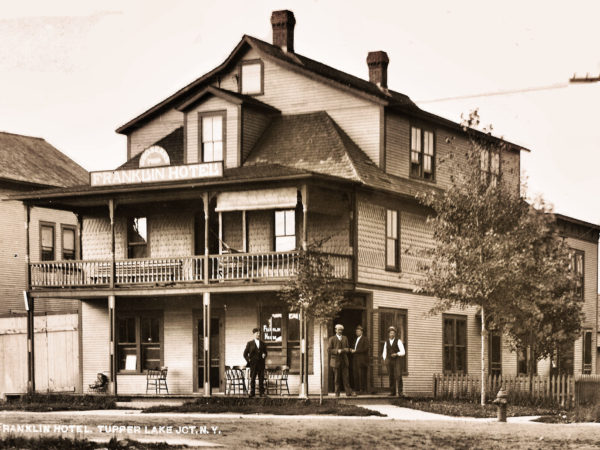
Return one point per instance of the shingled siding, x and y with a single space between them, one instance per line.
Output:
153 131
96 238
424 339
254 124
171 234
397 145
333 231
260 231
231 155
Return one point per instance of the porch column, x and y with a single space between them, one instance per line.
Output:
112 363
244 233
111 213
220 233
205 198
304 195
303 319
206 346
29 306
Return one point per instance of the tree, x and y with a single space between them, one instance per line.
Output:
315 293
495 251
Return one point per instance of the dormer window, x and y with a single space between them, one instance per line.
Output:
213 136
251 77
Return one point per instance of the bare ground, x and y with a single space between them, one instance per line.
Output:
355 433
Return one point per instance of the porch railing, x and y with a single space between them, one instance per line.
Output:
186 269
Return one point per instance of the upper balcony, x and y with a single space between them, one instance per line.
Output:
184 270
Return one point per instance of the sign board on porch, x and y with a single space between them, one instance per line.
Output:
130 362
157 174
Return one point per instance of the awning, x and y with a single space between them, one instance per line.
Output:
257 199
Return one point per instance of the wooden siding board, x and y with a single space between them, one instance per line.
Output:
153 131
95 339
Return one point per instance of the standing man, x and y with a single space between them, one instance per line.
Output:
255 354
360 360
338 350
393 349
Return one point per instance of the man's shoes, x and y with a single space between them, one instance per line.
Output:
262 395
352 394
393 394
337 394
250 395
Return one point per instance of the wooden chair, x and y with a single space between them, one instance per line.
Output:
157 379
276 380
237 381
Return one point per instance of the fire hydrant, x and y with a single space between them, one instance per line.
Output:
500 403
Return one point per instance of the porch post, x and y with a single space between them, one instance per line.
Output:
304 195
112 363
111 212
244 233
205 198
30 344
29 305
220 233
206 346
303 317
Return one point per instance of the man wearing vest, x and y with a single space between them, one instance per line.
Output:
338 349
393 349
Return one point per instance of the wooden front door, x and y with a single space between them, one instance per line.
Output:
216 353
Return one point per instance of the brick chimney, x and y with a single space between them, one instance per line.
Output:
283 29
378 63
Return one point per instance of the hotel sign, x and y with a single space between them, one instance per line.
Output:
157 174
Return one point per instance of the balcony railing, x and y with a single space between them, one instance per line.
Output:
176 270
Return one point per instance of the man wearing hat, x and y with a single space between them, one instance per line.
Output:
255 355
393 349
338 350
360 360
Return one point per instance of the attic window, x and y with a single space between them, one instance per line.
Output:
251 77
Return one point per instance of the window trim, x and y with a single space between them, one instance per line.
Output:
396 266
52 225
455 318
421 176
137 316
127 219
574 253
202 115
63 227
528 355
248 62
488 173
584 370
275 235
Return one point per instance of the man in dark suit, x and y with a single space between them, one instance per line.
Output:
255 355
360 360
393 349
338 350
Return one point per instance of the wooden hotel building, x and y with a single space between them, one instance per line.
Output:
185 246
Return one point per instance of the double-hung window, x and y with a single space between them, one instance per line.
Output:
47 242
455 344
139 342
251 77
68 242
587 352
490 166
526 361
213 137
137 237
576 266
422 153
285 230
392 250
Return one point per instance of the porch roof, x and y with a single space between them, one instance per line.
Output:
231 177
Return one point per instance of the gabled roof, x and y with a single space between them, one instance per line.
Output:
293 60
32 160
309 67
230 96
314 142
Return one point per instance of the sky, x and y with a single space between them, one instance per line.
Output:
73 71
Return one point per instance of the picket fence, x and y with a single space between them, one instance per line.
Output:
559 389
